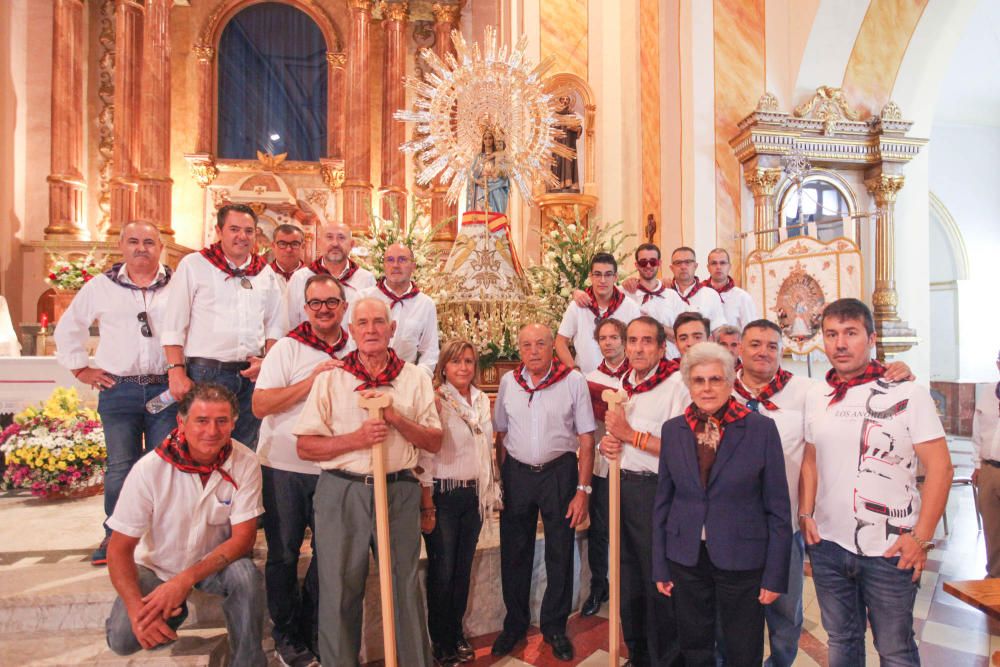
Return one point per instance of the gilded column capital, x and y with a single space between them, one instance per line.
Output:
336 58
394 11
360 5
332 174
763 181
204 53
446 13
202 167
884 187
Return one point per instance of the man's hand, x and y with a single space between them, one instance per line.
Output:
617 425
179 382
428 520
163 601
766 596
325 366
152 634
610 446
582 299
975 477
665 587
372 432
577 512
98 378
631 284
809 530
898 371
254 370
910 554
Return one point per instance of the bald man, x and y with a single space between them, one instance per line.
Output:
336 242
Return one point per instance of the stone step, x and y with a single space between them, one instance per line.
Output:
195 647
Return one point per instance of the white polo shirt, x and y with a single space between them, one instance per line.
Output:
416 337
986 427
178 520
295 293
289 362
705 301
866 462
578 325
738 307
647 412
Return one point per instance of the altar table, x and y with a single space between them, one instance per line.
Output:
26 381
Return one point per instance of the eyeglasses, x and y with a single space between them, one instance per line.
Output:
331 303
244 281
285 245
714 381
647 263
144 329
682 262
608 275
397 260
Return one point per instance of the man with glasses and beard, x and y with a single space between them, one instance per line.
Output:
129 302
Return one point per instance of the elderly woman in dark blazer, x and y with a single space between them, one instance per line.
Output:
721 519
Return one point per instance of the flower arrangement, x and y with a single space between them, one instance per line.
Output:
71 274
55 449
417 236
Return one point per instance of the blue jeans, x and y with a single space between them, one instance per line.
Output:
853 589
784 615
126 423
247 425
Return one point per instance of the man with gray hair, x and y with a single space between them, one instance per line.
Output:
728 337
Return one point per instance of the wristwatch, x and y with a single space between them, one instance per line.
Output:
586 488
172 366
926 545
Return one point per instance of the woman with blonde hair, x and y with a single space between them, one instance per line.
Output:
465 491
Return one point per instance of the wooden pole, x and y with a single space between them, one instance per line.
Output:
374 405
614 398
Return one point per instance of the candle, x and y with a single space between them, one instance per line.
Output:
44 322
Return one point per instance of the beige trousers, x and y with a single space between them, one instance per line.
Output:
989 508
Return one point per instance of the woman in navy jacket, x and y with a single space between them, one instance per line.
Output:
721 520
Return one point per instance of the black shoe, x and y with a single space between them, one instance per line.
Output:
505 643
598 596
464 650
561 648
444 656
100 555
292 654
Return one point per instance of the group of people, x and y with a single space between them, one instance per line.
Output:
731 467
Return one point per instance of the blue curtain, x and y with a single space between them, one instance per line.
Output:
272 84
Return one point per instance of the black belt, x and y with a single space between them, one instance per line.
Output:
544 466
637 476
369 480
141 379
215 364
991 462
446 485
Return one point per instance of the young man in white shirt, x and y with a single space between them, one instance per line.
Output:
287 248
695 295
415 315
986 459
867 523
129 302
224 312
188 519
285 379
336 243
737 304
604 300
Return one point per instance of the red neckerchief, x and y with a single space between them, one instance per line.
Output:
304 334
353 365
557 372
174 450
397 300
721 290
160 281
617 298
694 290
733 412
873 371
287 275
664 369
217 258
623 368
648 294
776 384
317 267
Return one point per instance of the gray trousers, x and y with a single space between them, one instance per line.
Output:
345 533
242 586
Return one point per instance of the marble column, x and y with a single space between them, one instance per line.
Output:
763 182
202 162
155 183
128 105
336 62
66 181
357 146
393 188
445 20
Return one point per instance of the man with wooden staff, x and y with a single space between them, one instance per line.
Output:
648 624
335 431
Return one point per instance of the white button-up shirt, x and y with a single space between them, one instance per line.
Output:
295 293
212 316
578 325
177 519
545 428
647 412
986 427
416 338
705 301
122 349
738 306
460 456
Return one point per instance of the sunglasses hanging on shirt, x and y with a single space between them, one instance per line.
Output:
144 329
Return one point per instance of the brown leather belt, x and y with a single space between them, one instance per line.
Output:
369 480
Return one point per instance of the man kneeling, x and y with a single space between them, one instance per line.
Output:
192 512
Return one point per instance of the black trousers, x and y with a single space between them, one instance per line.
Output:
288 509
649 627
526 494
701 592
451 546
597 535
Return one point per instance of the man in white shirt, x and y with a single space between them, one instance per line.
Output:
737 304
224 312
604 300
188 519
728 337
129 302
649 627
336 433
336 242
415 315
867 523
286 376
695 295
287 248
986 459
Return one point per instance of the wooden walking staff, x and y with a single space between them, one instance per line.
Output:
614 398
374 405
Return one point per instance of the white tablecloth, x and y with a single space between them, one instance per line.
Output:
26 381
